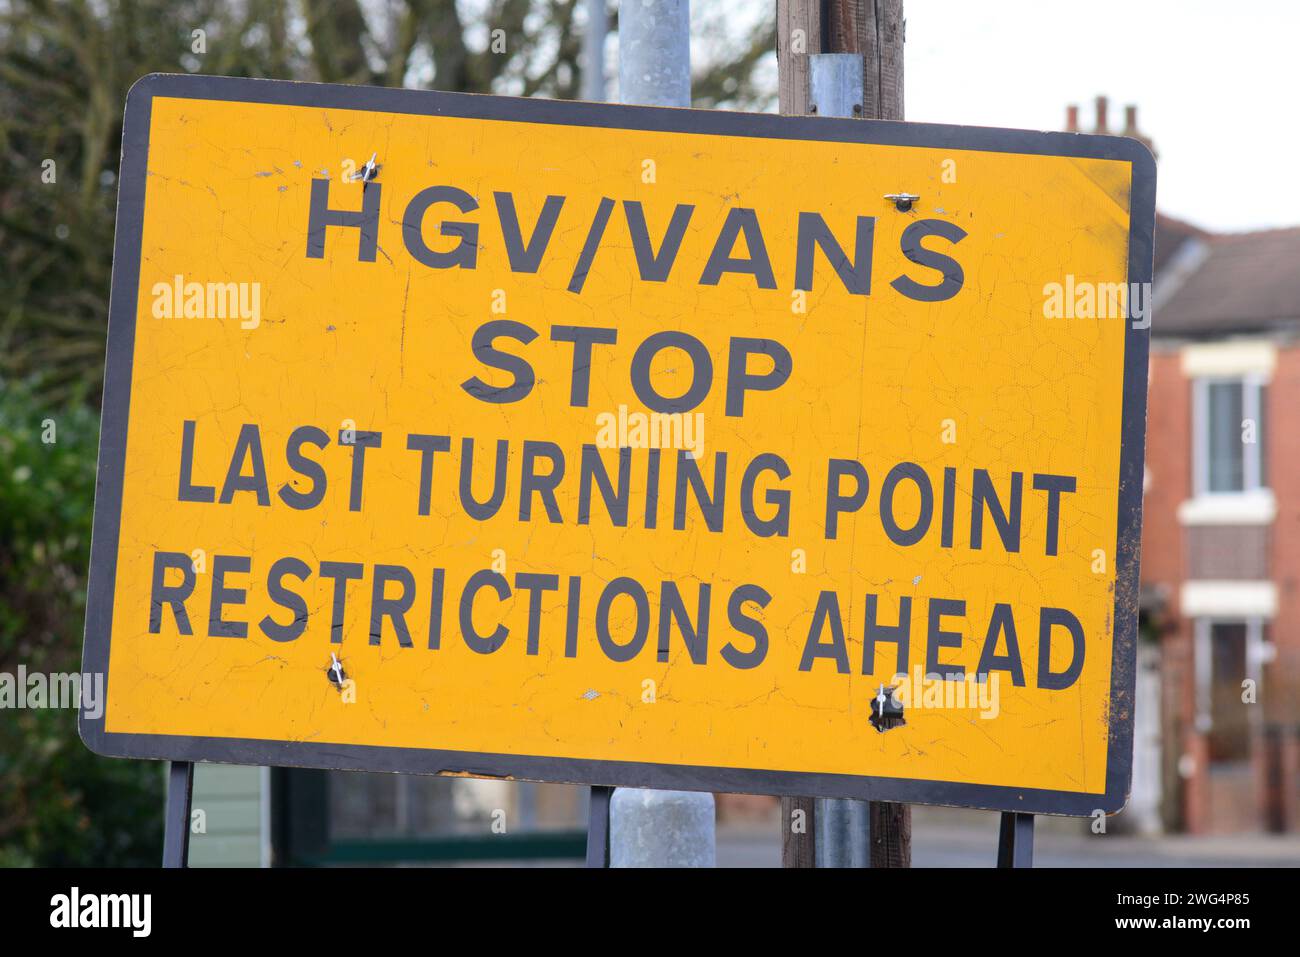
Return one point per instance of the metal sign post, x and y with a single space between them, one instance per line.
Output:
598 826
1016 840
176 821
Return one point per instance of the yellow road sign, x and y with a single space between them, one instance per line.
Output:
622 446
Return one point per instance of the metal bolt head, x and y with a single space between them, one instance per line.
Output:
902 201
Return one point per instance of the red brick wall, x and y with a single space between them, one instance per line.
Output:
1223 804
1164 563
1169 427
1282 680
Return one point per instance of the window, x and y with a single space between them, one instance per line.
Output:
1229 436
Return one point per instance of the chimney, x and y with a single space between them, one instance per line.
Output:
1131 120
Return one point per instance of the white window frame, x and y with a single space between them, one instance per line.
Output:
1253 481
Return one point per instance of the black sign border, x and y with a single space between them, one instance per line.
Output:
116 409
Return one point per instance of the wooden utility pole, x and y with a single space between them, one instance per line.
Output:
873 29
891 834
798 840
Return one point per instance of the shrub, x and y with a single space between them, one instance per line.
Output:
59 803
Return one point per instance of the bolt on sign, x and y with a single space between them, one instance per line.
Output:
610 445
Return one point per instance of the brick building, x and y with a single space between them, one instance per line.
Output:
1221 527
1221 536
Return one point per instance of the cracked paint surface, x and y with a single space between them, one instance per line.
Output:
386 345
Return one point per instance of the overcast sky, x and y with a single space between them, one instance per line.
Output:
1216 86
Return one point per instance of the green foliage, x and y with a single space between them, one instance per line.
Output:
62 806
59 804
47 490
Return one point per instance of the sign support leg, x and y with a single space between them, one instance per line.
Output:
176 832
1016 840
598 827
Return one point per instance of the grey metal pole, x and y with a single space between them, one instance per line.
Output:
842 827
654 52
661 829
593 52
658 828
